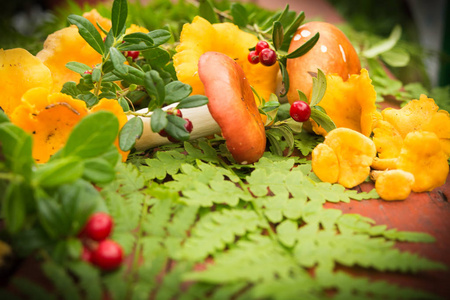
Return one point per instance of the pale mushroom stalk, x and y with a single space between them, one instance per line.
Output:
202 121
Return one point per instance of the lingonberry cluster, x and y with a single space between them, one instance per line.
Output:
98 249
300 111
262 54
188 125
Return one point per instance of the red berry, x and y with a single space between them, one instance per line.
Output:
188 125
175 112
253 57
99 226
86 255
108 255
267 57
88 72
300 111
260 46
133 54
163 133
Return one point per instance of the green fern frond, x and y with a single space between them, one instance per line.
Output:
216 230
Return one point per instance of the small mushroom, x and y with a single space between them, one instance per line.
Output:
354 153
232 105
423 156
393 185
422 114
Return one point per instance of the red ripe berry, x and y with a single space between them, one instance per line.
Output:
175 112
267 57
300 111
260 46
88 72
99 226
253 57
163 133
133 54
188 125
86 255
108 255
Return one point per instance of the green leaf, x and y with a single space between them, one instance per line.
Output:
239 14
70 88
88 32
302 96
62 281
287 232
89 277
14 206
16 146
176 91
98 170
132 75
303 49
206 11
396 57
157 57
154 85
193 101
93 135
138 37
119 16
158 120
96 75
319 88
384 45
285 76
118 60
59 171
159 36
3 117
277 34
30 289
130 132
292 29
78 67
175 128
322 119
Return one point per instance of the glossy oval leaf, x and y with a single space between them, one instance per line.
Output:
239 14
119 16
322 119
78 67
319 88
93 135
159 36
98 170
176 91
193 101
59 171
154 85
158 120
206 11
175 128
88 31
118 60
130 132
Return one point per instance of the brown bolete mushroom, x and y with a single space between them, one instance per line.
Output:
333 53
232 105
231 110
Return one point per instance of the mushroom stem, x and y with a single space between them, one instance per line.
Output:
202 121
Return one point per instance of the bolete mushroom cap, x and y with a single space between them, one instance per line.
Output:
354 151
232 105
333 53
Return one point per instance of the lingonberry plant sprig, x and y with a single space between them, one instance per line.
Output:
134 70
